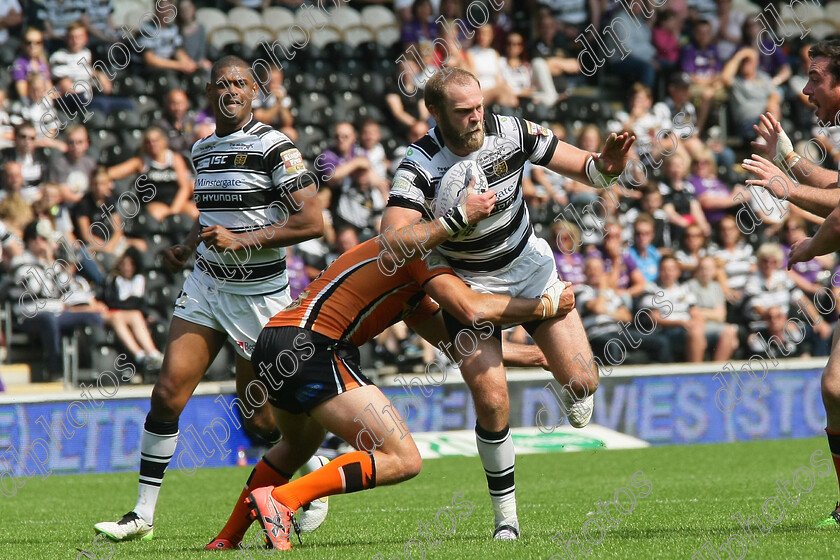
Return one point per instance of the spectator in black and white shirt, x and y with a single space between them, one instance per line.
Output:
675 309
163 47
735 259
602 311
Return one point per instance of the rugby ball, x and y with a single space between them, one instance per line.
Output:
461 180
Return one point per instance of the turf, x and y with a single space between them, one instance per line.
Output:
695 490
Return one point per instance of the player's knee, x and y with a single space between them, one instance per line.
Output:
410 465
260 422
167 402
830 386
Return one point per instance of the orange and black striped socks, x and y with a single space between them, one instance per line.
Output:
264 474
834 447
347 473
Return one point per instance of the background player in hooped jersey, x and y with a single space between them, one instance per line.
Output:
308 358
254 198
505 259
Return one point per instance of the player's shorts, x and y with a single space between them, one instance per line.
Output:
241 317
528 276
301 368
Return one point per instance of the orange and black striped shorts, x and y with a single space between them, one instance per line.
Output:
301 368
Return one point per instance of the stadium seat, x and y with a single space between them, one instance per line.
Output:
177 225
357 35
99 121
244 18
347 103
102 139
122 120
278 17
324 36
257 34
240 49
832 11
371 52
344 17
341 81
377 17
211 19
315 109
388 35
372 87
824 28
370 112
223 36
313 20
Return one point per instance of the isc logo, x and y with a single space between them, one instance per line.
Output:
218 160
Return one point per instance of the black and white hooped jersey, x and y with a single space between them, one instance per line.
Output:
508 143
243 182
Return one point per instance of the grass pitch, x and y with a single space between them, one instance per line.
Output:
695 491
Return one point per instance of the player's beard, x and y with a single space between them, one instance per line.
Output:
468 141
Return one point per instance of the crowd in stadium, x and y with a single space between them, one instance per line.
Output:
691 228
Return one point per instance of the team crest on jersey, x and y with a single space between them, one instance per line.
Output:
293 160
536 130
240 160
500 168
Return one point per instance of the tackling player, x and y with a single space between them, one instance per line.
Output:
816 192
307 355
255 198
509 259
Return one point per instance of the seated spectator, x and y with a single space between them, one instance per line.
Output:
573 16
665 37
417 131
565 243
11 16
681 204
59 15
88 212
772 60
296 270
726 27
638 63
125 286
450 11
780 339
177 123
642 257
527 82
715 197
645 120
580 194
772 287
486 65
163 46
360 203
273 107
683 324
166 170
625 280
345 157
98 21
552 46
38 110
751 94
702 62
15 199
32 60
548 185
73 169
129 325
811 275
71 71
693 250
422 27
405 98
711 304
602 310
370 137
44 314
651 204
7 133
193 34
682 116
33 160
735 260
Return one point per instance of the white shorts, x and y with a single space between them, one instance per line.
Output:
242 317
528 276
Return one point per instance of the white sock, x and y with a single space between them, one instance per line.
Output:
313 464
498 457
157 446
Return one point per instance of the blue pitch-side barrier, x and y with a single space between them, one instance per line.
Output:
659 404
